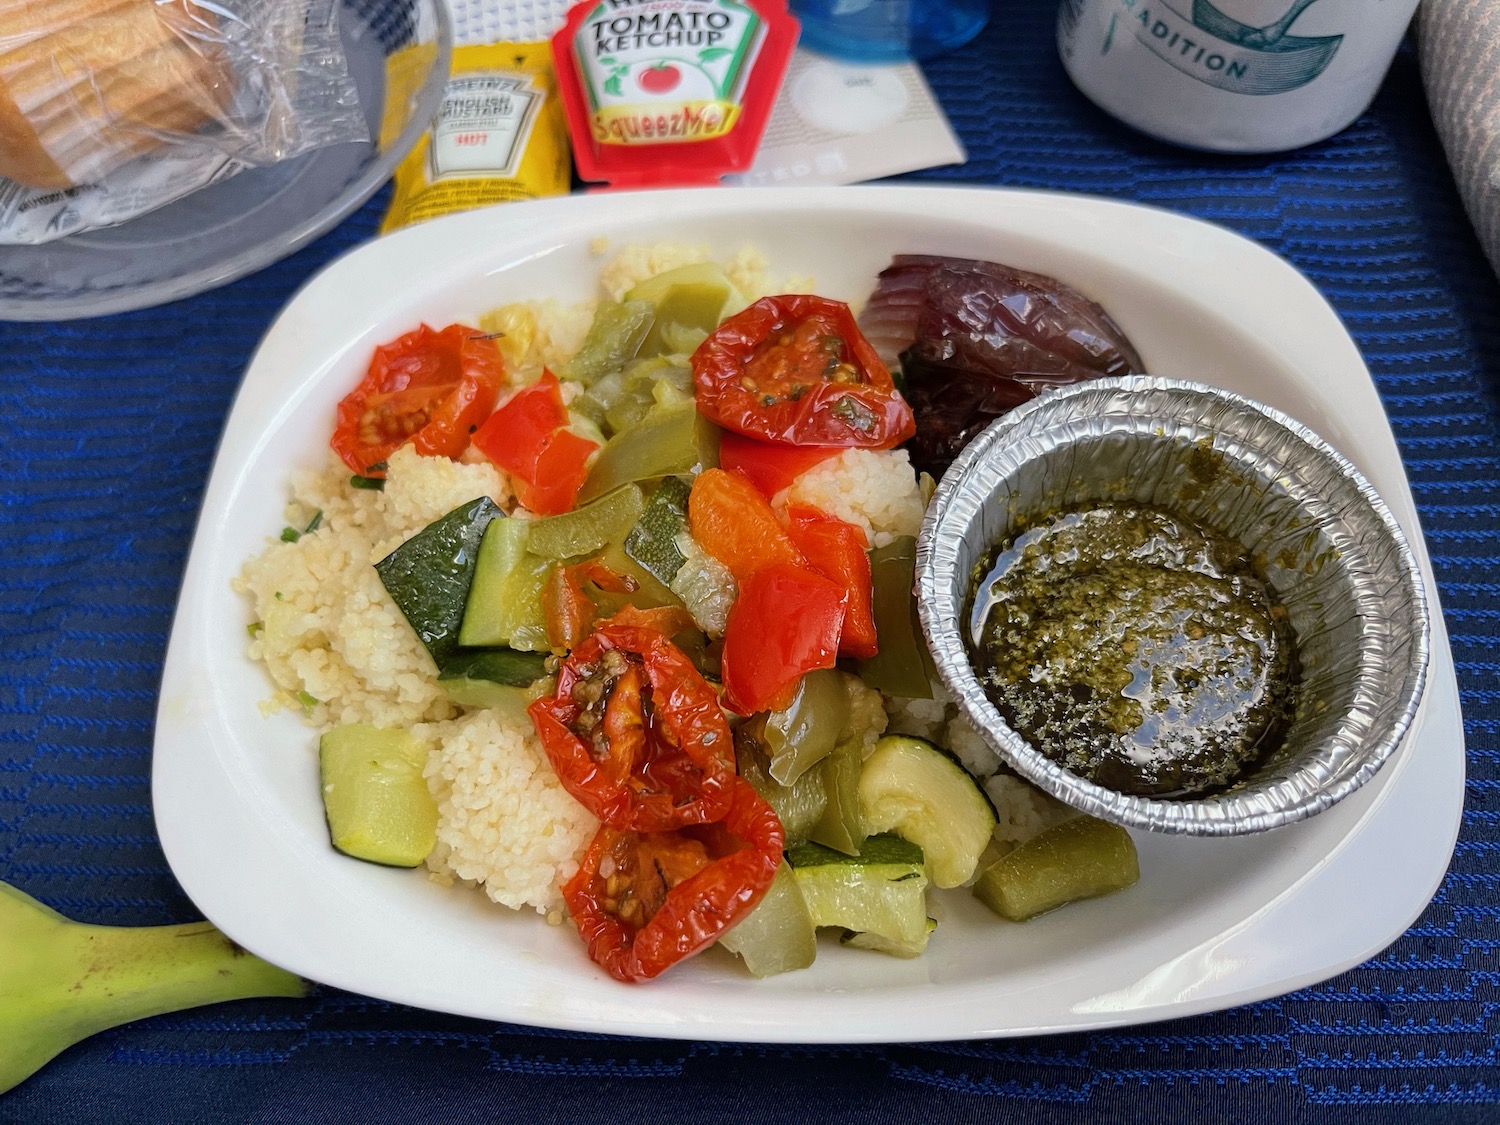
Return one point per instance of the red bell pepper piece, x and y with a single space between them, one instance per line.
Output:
786 621
528 438
512 436
562 465
770 467
837 551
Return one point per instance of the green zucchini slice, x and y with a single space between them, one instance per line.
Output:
505 600
492 677
886 945
913 789
428 576
881 891
374 795
653 541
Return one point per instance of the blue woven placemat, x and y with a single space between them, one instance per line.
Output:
109 430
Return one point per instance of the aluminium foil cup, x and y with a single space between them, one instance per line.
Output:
1319 534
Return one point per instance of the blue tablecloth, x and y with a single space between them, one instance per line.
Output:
109 427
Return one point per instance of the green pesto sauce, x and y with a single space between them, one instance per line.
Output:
1136 649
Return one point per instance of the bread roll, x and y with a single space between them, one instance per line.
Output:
85 85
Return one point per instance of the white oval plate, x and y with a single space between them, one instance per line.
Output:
1213 923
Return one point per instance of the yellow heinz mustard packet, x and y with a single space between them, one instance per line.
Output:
499 137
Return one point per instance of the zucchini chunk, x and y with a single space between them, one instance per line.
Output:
777 936
492 677
505 598
886 945
428 576
913 789
485 693
881 891
1079 858
653 541
374 795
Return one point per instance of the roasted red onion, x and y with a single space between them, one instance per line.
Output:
974 339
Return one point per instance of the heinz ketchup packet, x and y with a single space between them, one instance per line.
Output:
670 92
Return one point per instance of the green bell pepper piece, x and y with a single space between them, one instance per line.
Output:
805 731
842 825
649 592
613 340
689 303
800 806
672 439
588 528
622 399
903 667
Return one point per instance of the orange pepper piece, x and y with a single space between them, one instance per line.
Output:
734 523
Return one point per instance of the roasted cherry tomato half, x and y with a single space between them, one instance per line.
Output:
643 901
428 388
635 733
797 370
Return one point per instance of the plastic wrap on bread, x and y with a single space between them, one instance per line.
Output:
90 88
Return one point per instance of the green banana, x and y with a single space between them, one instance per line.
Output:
61 981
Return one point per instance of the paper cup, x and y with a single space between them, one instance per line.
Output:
1232 75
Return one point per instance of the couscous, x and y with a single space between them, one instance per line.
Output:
640 562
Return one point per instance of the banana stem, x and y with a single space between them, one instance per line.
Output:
129 973
62 981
